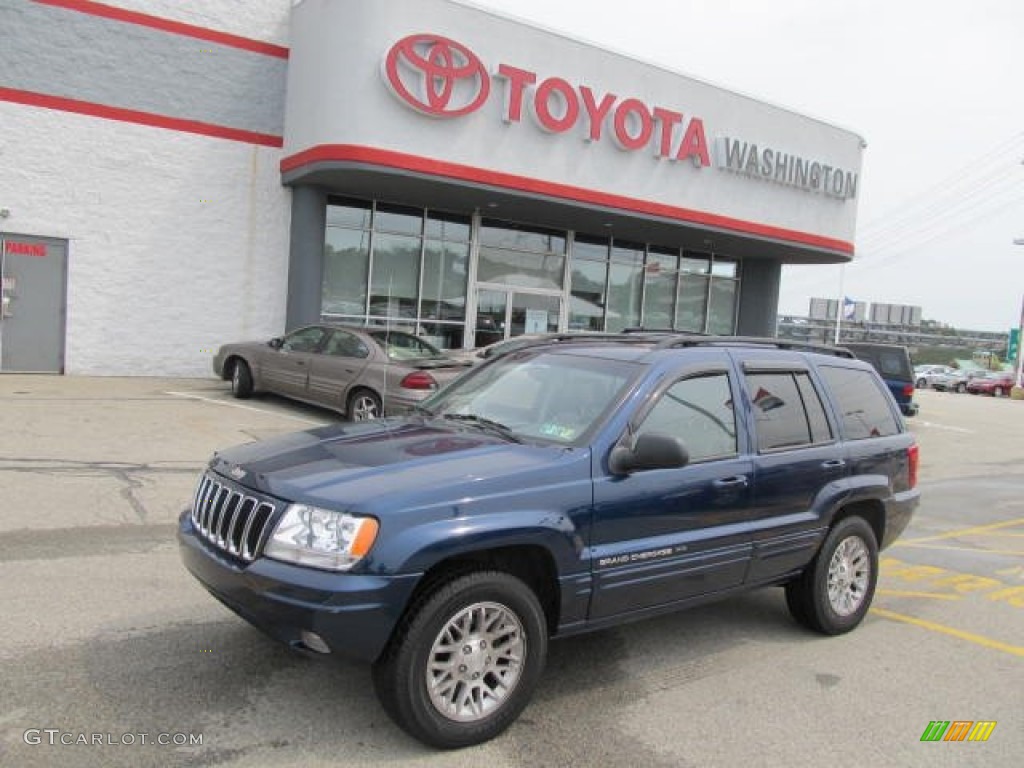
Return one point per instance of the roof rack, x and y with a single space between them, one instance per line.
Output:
667 339
694 340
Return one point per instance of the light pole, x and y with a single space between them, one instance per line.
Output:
1018 384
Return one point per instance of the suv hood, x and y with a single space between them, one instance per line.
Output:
395 463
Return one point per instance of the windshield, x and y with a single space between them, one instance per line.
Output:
535 395
404 346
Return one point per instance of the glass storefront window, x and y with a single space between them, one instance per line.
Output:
722 313
348 213
503 234
691 302
587 302
442 226
394 284
624 285
627 253
444 281
660 274
528 270
346 267
393 218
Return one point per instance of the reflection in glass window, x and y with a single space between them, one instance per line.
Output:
441 226
586 307
444 281
692 302
346 267
393 218
528 270
624 285
627 253
660 288
348 213
699 411
394 284
722 312
503 234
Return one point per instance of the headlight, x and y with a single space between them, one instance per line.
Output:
321 538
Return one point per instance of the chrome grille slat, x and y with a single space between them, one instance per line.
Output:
230 519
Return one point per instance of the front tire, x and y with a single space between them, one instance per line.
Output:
241 380
997 392
922 383
961 388
833 595
465 661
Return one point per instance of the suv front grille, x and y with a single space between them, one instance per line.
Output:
230 520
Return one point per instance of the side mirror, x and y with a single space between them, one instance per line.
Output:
275 343
652 450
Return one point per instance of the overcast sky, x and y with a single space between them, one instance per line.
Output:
935 87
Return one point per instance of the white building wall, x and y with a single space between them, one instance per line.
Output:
178 241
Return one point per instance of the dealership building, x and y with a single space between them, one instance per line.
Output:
174 176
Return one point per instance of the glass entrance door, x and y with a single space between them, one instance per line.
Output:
502 313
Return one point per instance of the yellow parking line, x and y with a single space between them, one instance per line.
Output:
970 637
977 550
962 532
901 593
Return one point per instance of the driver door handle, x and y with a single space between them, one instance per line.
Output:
736 481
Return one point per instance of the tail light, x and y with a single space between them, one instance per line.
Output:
418 380
908 390
913 454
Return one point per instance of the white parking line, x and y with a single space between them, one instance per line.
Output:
264 411
933 425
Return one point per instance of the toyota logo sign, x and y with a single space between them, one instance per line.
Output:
436 76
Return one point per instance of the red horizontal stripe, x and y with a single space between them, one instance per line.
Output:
166 25
390 159
32 99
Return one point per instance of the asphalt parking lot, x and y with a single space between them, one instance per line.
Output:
105 635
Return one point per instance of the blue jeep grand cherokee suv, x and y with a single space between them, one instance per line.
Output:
558 489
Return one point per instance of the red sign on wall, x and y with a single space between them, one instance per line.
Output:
25 249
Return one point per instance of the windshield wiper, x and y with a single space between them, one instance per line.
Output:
484 423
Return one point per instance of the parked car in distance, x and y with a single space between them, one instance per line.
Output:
925 375
561 488
893 363
360 372
954 381
996 384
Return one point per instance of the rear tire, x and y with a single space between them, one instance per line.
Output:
961 388
997 392
833 595
464 662
363 405
241 380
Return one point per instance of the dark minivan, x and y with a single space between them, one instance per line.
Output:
893 363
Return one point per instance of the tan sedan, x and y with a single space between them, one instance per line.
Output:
360 372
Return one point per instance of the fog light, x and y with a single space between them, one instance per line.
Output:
314 642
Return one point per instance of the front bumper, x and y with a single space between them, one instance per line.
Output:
354 614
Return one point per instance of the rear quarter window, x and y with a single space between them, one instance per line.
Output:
863 405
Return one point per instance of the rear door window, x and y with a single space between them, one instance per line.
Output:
787 410
863 404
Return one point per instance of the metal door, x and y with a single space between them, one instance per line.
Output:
32 316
